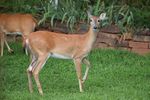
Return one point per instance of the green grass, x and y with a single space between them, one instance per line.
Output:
115 75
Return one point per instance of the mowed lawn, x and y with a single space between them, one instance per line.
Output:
115 75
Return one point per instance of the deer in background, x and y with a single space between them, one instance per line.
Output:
44 44
10 23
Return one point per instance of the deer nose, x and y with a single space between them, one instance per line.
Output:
95 27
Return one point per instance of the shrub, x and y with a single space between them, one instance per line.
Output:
125 13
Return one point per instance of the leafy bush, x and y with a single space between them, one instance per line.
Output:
68 11
142 17
125 13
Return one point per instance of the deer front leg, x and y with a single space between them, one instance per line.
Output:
8 47
24 44
85 61
2 44
79 74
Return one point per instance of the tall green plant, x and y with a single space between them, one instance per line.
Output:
68 12
126 23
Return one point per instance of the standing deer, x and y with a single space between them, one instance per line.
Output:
44 44
10 23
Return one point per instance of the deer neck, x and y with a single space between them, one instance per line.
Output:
91 37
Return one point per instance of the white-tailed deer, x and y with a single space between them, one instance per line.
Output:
10 23
44 44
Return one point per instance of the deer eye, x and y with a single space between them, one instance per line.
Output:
90 20
98 20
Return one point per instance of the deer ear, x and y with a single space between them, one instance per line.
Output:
102 16
89 14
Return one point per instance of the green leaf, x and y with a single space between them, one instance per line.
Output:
63 18
52 20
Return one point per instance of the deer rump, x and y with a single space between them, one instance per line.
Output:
22 24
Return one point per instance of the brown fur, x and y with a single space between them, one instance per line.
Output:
43 44
43 41
24 23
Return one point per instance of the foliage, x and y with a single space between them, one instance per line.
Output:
19 6
141 17
77 12
71 12
68 11
116 14
115 75
127 21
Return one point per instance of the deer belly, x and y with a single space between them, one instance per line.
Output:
56 55
14 33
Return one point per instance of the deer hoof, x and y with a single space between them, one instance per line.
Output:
41 93
10 51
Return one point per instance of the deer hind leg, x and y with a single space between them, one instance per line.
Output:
42 60
79 74
87 63
29 71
